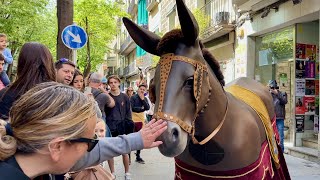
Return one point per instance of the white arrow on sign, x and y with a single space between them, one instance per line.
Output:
76 38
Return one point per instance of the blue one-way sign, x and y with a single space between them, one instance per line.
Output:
74 37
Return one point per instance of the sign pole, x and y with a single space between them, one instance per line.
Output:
74 37
74 56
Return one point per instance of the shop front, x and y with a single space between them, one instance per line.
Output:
290 56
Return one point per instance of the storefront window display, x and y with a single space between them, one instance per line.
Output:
273 51
275 61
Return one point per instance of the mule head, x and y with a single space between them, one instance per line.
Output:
180 87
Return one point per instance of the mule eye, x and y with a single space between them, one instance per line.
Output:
189 82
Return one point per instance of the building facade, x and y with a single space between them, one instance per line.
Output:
279 40
259 39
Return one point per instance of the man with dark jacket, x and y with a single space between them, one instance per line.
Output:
100 94
139 104
279 102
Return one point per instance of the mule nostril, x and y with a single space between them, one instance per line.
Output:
175 134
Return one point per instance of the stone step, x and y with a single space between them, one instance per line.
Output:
310 143
304 153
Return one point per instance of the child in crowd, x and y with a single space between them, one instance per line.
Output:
101 131
7 59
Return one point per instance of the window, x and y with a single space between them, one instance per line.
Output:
172 20
272 50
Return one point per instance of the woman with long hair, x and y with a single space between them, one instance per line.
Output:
129 91
78 80
35 65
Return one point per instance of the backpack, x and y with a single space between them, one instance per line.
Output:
91 173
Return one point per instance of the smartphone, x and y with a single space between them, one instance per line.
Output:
87 90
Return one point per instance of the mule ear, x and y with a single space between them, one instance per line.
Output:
142 37
189 25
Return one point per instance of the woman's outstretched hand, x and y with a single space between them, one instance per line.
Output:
151 131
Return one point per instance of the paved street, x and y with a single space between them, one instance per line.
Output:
158 167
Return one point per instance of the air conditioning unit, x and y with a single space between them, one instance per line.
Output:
254 5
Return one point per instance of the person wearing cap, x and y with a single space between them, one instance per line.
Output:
104 84
279 101
64 71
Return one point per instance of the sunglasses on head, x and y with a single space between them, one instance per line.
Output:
63 60
91 142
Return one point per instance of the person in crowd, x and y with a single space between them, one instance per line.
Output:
139 104
101 130
39 140
116 116
65 70
35 65
1 70
151 100
77 81
100 94
279 102
130 91
104 82
7 59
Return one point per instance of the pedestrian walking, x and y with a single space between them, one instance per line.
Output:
279 102
139 104
119 118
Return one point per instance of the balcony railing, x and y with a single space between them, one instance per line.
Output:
141 62
119 72
219 13
133 7
127 43
152 4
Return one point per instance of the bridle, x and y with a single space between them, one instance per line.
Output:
201 69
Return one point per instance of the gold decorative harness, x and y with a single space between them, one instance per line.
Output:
201 69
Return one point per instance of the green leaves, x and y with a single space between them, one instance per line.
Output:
99 19
36 20
26 20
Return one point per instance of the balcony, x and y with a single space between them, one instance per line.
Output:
152 4
133 7
220 17
119 72
112 62
141 62
116 48
127 46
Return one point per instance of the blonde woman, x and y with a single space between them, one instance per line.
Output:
51 129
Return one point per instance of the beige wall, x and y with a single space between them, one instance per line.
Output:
166 6
287 15
287 12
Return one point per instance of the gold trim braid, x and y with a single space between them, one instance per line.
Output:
256 103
